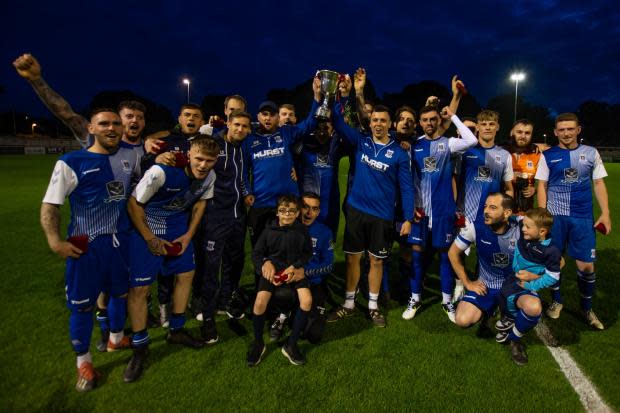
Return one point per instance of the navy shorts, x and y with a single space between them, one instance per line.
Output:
145 266
440 236
486 303
578 233
103 268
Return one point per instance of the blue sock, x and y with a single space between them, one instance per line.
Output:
385 286
117 310
80 329
523 324
102 319
445 274
177 321
417 272
301 318
258 322
586 282
555 292
140 338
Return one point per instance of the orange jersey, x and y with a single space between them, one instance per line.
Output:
524 166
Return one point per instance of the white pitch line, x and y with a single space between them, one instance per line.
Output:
589 397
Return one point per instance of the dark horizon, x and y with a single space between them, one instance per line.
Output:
569 51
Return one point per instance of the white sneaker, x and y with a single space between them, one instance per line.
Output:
450 311
412 308
199 317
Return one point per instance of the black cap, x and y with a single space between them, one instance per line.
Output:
268 106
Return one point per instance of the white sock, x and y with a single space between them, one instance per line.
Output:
372 301
349 300
282 317
84 358
116 338
416 297
446 298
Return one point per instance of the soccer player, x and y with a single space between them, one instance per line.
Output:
319 267
431 158
132 115
162 241
97 182
223 230
525 157
286 115
269 159
536 266
484 168
163 148
283 249
495 239
215 125
320 156
567 174
381 166
131 112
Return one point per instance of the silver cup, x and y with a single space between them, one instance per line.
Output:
329 85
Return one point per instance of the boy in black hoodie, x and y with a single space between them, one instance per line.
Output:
281 252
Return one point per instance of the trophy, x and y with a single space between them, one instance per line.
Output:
329 85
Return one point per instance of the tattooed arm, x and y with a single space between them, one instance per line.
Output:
29 68
50 221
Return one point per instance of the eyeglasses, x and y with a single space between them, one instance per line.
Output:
287 211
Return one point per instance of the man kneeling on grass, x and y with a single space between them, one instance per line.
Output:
536 265
281 252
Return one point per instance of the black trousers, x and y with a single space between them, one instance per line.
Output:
219 253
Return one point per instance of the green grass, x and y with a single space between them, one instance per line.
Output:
423 364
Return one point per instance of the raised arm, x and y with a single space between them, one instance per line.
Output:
29 68
457 87
340 126
359 81
468 139
307 125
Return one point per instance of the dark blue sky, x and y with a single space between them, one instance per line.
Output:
569 50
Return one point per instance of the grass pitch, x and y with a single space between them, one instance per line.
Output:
426 364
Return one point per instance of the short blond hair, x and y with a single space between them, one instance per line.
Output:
487 114
541 217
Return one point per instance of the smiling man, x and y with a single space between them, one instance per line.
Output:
495 237
567 175
381 167
269 161
221 247
97 182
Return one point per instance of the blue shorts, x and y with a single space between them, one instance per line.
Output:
511 291
578 233
145 266
104 267
440 236
486 303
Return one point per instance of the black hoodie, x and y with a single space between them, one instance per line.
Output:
283 246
